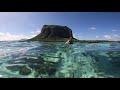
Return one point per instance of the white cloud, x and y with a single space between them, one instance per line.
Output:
8 37
107 36
114 30
116 38
35 33
112 37
76 36
1 34
92 28
97 36
38 31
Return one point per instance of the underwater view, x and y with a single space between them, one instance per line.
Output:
59 60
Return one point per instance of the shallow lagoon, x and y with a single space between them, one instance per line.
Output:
59 60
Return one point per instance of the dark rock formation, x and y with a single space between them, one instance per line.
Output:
24 71
14 68
54 31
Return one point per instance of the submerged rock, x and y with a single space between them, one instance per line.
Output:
14 68
25 71
36 74
45 67
114 58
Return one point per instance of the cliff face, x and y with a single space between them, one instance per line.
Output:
54 31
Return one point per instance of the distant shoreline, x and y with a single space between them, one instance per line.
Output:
61 40
74 40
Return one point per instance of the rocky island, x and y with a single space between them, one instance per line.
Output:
59 33
54 33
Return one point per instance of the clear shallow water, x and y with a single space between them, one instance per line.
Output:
59 60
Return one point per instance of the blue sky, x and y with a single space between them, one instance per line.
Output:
85 25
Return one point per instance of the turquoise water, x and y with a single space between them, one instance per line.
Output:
59 60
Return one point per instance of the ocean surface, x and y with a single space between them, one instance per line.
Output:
59 60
